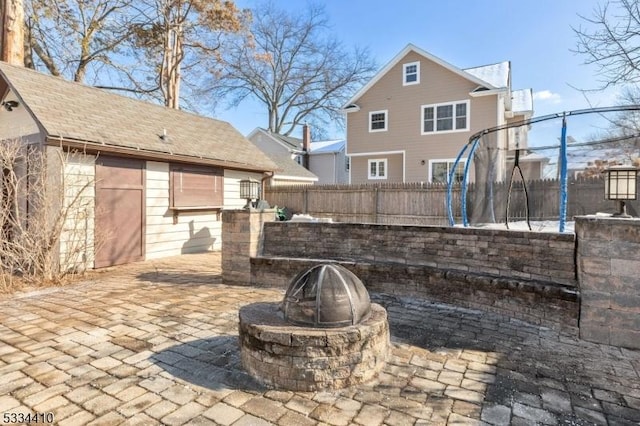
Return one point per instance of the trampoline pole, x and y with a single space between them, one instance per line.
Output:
563 174
452 173
465 219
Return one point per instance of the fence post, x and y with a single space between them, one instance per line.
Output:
306 201
375 204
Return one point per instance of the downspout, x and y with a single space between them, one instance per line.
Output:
267 175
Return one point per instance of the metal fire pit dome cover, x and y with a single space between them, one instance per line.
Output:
326 295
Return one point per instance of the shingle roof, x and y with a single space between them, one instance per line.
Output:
294 143
76 112
288 167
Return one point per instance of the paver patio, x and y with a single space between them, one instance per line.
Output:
156 343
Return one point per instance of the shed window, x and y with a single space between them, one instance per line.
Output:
195 186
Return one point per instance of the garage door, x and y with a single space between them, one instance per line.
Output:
119 211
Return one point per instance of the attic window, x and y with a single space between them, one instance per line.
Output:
196 187
411 73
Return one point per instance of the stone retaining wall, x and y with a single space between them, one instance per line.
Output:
537 256
525 275
541 303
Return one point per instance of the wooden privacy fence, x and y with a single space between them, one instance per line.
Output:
425 203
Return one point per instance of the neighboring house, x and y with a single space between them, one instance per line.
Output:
325 160
410 121
161 176
328 160
289 172
287 153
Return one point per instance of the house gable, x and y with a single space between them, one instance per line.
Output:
431 108
274 143
401 58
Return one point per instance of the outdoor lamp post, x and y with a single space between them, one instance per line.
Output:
250 190
620 184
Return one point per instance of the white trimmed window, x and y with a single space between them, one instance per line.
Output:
378 121
411 73
378 168
449 117
439 170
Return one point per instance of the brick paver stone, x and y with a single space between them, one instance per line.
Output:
156 343
223 413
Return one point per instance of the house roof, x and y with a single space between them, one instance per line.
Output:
522 101
289 142
289 168
495 72
326 147
496 75
493 77
72 112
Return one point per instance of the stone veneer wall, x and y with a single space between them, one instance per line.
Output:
537 256
608 258
241 239
525 275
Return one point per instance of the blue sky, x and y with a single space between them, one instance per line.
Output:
535 35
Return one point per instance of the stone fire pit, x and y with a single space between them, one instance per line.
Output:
325 335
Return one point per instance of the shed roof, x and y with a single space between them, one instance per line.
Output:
73 112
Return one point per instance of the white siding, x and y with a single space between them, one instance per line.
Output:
17 123
77 241
194 232
232 180
330 168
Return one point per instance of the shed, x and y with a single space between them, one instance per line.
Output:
161 176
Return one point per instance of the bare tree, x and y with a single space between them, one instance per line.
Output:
611 41
184 35
69 38
46 226
294 67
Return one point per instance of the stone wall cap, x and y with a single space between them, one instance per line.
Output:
635 221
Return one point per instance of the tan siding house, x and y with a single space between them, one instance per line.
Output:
411 120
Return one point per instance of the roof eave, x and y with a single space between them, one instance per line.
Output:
93 147
479 93
289 177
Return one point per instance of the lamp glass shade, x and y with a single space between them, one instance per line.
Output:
249 189
621 183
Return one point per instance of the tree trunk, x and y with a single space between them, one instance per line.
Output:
12 34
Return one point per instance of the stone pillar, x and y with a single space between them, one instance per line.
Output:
608 259
241 239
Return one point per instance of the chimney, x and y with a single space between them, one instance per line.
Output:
306 145
12 32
